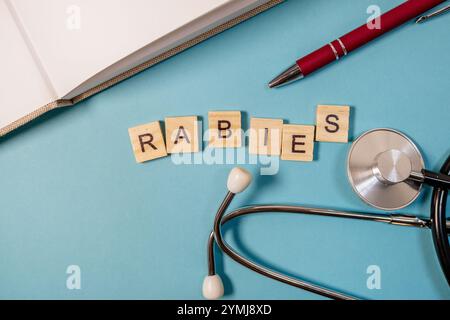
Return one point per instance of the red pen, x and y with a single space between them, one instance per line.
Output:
353 40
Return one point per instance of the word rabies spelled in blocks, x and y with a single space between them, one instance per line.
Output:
266 136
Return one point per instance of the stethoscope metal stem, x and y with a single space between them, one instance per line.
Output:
397 219
434 179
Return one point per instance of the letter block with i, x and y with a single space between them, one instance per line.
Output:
265 136
332 123
147 141
182 134
225 129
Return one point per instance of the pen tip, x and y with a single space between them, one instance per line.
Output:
276 82
290 74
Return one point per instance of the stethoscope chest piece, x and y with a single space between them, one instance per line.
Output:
379 165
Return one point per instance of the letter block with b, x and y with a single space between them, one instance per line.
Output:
332 123
147 141
225 129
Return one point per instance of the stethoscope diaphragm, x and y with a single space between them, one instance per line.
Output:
379 165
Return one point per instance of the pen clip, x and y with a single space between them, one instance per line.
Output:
426 17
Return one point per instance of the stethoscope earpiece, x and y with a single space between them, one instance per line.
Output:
212 288
238 180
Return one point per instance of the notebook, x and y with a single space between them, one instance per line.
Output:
59 52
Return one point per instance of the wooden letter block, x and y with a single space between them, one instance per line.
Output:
265 136
182 134
332 123
147 142
225 129
298 143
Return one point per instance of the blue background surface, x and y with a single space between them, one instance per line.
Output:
71 192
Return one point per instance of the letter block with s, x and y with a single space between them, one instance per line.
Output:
332 123
147 141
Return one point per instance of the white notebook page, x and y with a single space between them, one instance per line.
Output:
23 89
109 30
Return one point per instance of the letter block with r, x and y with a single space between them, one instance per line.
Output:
147 141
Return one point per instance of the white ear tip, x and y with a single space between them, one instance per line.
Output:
212 287
238 180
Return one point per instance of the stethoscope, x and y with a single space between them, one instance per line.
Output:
385 169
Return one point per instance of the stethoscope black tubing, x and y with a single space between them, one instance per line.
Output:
261 270
221 219
438 224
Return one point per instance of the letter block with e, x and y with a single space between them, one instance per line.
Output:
332 123
298 143
147 141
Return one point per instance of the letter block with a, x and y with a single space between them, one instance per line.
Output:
147 141
182 134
